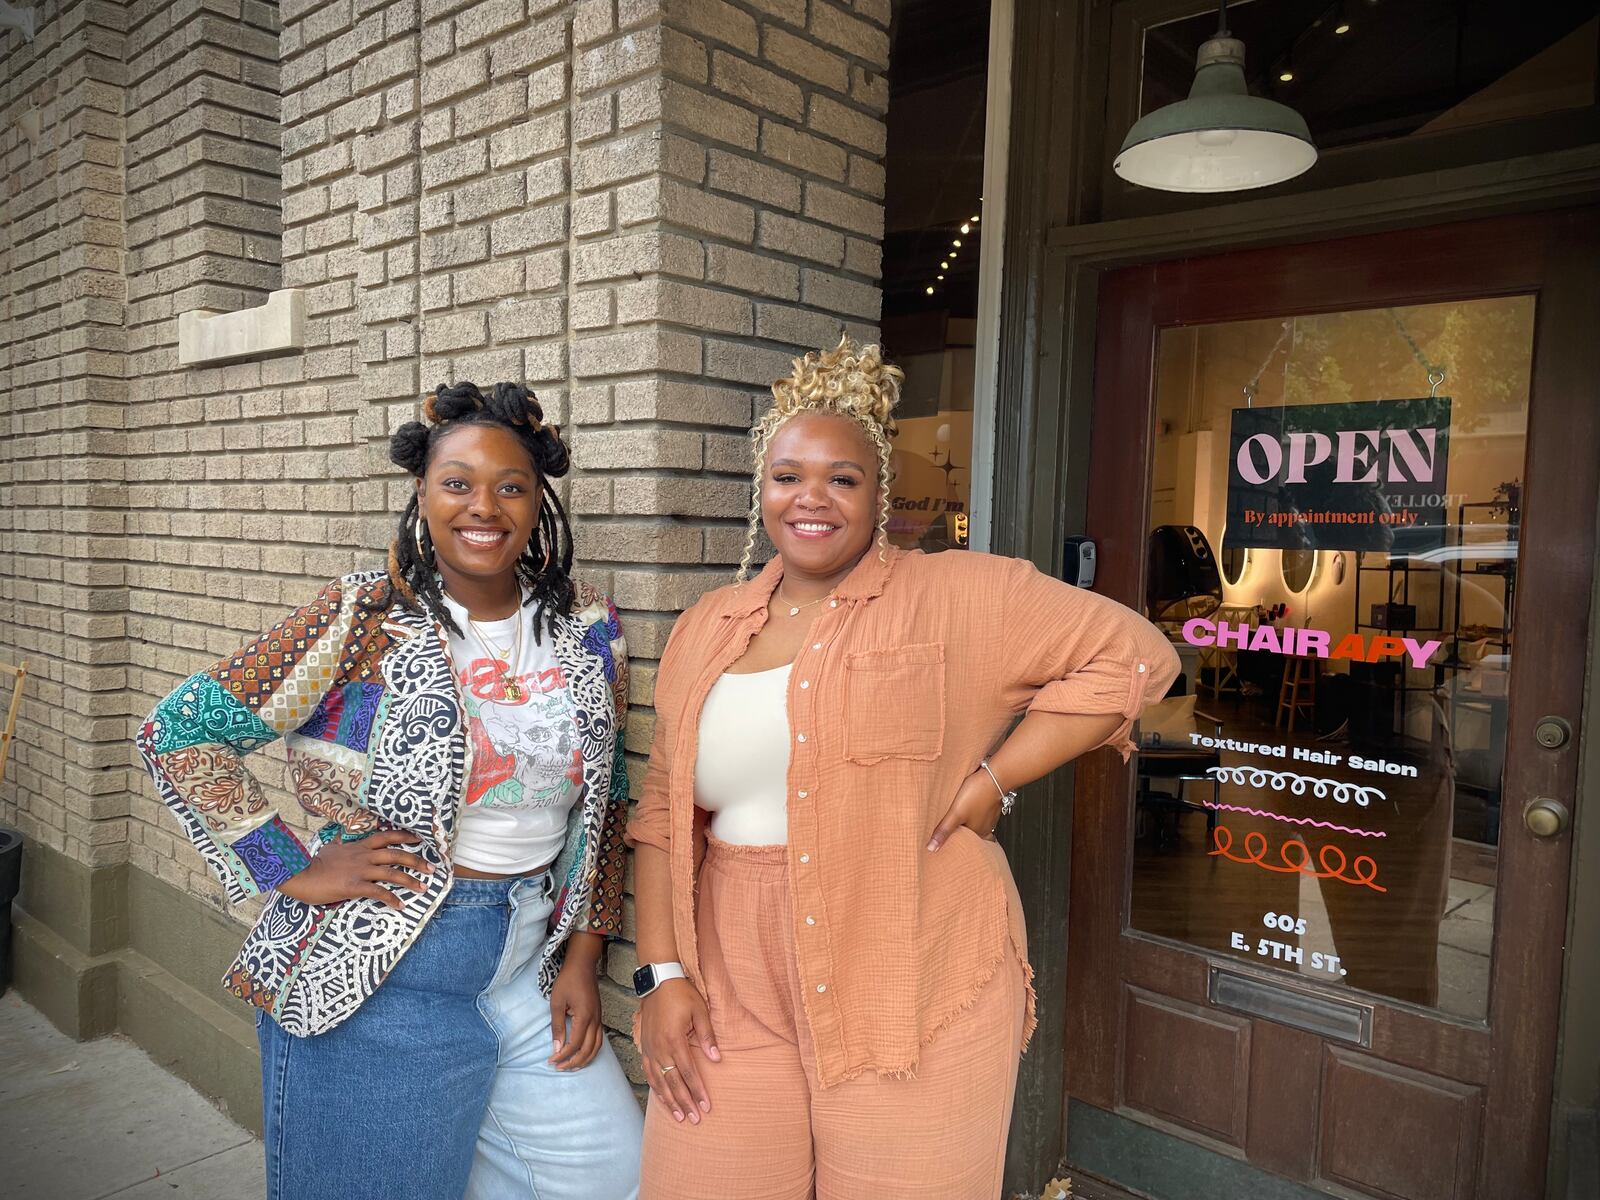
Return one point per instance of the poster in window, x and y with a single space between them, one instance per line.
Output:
1369 475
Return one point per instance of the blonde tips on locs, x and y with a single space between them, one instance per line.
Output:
852 381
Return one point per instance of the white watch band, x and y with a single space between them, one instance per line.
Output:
668 970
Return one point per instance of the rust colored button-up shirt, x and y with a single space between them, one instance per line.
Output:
910 675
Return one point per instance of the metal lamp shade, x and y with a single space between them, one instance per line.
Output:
1221 139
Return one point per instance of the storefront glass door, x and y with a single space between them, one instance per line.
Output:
1316 920
1336 510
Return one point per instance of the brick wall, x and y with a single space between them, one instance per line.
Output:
63 599
643 208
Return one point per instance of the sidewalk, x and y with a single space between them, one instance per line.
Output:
85 1121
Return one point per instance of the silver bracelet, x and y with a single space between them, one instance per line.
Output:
1008 800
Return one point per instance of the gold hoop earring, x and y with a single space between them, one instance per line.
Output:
422 552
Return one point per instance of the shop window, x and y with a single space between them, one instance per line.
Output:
933 237
1369 70
1335 526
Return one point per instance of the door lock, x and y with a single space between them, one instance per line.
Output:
1545 817
1552 733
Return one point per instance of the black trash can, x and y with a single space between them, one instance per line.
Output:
10 879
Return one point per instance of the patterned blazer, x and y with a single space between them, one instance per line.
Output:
362 692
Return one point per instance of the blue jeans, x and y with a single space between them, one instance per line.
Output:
438 1086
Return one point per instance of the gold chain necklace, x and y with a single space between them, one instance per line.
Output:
510 689
794 609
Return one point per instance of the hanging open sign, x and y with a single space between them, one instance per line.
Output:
1362 476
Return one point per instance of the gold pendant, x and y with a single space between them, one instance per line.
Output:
513 692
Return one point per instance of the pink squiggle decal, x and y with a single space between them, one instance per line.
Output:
1256 812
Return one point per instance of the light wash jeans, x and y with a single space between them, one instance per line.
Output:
438 1086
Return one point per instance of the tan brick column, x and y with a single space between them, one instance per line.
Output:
726 215
63 603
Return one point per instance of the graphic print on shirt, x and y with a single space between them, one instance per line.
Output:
525 751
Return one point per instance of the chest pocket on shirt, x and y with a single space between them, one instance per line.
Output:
894 703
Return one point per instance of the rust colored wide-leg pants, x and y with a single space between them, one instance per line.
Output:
773 1132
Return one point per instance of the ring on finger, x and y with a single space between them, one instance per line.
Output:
668 1067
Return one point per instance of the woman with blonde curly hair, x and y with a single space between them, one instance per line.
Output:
834 969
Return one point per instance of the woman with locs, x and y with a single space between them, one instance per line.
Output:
424 973
833 963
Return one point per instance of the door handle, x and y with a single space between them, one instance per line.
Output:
1545 818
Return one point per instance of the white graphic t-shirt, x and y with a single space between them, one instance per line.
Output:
527 765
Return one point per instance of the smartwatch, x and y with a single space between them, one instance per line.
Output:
652 975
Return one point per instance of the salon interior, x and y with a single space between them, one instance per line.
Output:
1421 746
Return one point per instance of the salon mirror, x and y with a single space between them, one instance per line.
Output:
1298 568
1235 561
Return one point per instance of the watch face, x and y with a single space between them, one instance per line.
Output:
644 979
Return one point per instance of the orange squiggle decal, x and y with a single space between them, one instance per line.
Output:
1334 863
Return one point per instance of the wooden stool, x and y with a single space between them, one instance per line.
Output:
1223 661
1299 691
8 731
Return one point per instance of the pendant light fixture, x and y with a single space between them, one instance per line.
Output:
1221 139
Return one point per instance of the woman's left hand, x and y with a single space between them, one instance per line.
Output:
977 806
575 1024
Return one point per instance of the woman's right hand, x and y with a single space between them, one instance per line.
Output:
350 870
673 1022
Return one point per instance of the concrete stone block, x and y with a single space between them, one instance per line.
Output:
870 89
490 197
276 327
615 61
850 125
454 77
486 20
528 140
628 448
708 117
501 104
835 207
679 401
591 21
797 326
795 148
832 25
595 117
636 254
592 215
833 293
802 239
729 172
492 281
528 230
675 204
863 258
519 319
740 362
684 304
528 47
756 86
635 351
716 21
759 273
803 57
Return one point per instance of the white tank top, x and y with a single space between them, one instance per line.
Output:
741 773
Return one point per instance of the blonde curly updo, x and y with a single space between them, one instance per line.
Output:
851 380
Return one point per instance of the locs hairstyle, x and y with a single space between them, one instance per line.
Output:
545 566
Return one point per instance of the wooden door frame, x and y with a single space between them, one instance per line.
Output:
1495 257
1054 264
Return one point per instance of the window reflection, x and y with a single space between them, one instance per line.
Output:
932 242
1334 552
